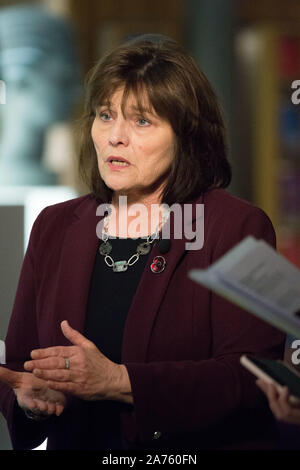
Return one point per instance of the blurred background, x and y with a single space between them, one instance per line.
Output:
250 51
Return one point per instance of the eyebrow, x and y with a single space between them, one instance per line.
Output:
140 109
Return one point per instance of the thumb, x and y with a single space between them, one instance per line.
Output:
74 336
9 377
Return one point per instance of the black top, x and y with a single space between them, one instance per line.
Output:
109 300
110 297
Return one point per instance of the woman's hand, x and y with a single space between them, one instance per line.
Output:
280 402
33 393
81 370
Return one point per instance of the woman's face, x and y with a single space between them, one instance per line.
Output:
144 144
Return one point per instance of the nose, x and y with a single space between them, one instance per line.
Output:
119 133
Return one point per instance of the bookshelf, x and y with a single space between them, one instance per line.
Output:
269 57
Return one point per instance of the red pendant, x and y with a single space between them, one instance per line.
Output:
158 264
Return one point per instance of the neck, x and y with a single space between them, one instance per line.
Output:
147 199
135 217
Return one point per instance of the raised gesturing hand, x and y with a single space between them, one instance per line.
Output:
81 369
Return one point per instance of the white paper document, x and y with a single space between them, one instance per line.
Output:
259 279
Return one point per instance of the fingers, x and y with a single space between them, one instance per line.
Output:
45 407
269 389
59 409
279 402
65 387
49 407
50 402
47 363
26 402
75 337
55 351
281 406
272 393
46 401
262 385
59 375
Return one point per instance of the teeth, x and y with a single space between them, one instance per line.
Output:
119 163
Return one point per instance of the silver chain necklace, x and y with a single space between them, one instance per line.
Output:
142 249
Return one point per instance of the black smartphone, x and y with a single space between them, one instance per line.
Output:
275 372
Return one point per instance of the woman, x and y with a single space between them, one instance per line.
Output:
146 358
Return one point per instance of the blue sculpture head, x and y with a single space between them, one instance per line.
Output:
39 62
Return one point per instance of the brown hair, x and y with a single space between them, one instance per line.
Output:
179 92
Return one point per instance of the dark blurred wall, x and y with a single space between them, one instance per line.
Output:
209 30
101 24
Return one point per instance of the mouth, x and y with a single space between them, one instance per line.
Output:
117 161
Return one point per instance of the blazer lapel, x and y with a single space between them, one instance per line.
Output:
148 296
75 269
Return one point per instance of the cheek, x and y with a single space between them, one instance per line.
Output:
93 135
162 156
96 137
156 157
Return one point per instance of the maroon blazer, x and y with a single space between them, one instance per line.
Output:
181 344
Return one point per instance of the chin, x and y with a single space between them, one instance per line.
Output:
116 185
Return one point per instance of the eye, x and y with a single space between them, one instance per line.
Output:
104 116
143 122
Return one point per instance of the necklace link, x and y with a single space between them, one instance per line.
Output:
142 249
133 259
109 261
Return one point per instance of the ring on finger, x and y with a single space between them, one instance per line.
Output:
67 363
